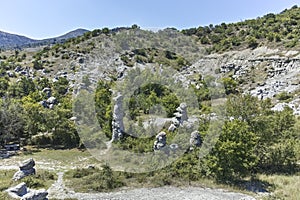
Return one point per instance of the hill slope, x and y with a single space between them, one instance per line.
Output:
8 40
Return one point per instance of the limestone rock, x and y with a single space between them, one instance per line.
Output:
26 169
27 164
195 139
117 122
35 195
18 190
161 141
21 191
23 173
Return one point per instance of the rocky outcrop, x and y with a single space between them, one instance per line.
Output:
26 169
21 191
117 122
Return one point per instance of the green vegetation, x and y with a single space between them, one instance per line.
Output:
270 30
153 55
255 143
42 179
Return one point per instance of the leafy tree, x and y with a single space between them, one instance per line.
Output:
11 121
233 156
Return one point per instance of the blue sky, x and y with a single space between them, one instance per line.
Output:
48 18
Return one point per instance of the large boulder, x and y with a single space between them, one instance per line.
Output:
21 191
26 169
17 191
35 195
27 164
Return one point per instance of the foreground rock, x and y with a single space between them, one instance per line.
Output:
21 191
26 169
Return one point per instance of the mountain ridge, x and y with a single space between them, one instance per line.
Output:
11 41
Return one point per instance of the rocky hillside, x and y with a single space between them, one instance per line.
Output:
8 40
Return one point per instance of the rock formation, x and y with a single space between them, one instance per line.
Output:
161 141
26 169
179 117
117 122
195 140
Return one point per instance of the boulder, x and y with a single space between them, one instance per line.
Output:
23 173
21 191
26 169
18 190
172 128
27 164
35 195
51 100
195 139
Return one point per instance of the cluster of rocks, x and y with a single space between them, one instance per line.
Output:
21 191
26 168
23 71
294 105
180 118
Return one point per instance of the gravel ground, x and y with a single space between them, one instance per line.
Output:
167 193
59 191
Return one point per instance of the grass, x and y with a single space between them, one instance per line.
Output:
284 186
95 180
57 158
42 179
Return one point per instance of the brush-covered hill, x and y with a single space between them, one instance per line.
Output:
253 65
272 30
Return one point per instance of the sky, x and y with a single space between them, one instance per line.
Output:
41 19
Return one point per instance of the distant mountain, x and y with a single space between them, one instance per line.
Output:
9 41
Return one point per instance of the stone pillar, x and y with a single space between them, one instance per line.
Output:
117 122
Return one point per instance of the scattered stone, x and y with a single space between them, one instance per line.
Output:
47 91
51 100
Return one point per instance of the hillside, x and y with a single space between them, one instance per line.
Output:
272 30
10 41
218 103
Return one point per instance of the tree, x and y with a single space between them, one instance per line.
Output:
252 42
233 156
11 121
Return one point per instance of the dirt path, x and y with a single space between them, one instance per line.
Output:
59 191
